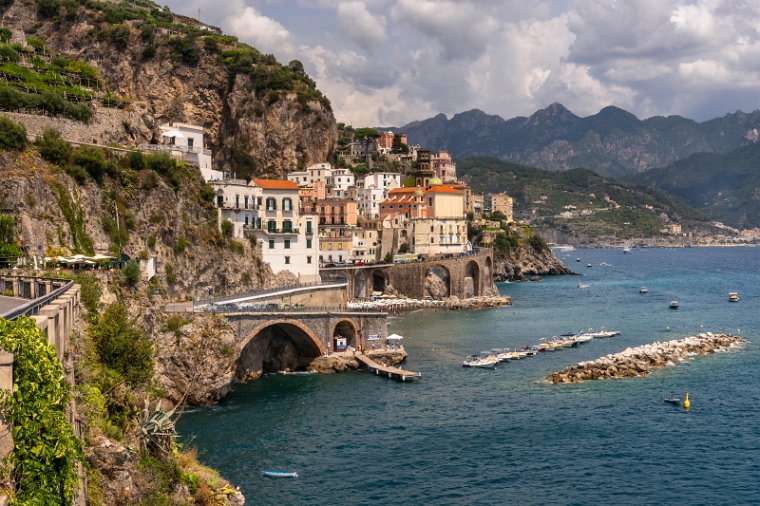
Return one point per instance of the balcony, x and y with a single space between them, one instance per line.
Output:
171 148
250 229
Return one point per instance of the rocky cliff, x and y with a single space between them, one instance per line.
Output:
260 117
520 264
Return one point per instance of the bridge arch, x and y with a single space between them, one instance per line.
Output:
379 280
278 345
346 329
437 282
472 279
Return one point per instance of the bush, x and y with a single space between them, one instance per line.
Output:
121 346
171 276
161 163
77 173
181 245
227 228
12 135
131 272
237 247
537 243
53 148
184 47
48 8
7 52
151 241
5 34
93 160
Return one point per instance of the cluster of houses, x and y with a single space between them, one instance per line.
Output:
325 215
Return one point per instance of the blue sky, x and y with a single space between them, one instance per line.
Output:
389 62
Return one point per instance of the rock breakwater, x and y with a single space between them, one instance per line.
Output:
639 361
400 304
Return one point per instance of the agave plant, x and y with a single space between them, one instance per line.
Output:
155 429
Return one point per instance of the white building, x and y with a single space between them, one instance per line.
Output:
185 142
336 181
387 180
267 210
373 189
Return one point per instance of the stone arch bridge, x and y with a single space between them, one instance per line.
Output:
467 275
291 340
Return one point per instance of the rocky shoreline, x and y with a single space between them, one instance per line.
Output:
639 361
346 361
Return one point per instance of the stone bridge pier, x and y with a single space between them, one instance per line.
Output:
464 276
290 341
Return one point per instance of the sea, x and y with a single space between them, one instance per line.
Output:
463 436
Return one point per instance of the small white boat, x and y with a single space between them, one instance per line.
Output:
279 474
582 285
583 338
488 362
673 304
589 265
602 333
733 296
643 289
626 250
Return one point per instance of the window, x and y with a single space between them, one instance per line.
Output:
258 201
287 204
308 260
271 204
272 226
287 260
287 226
340 245
308 243
287 243
271 243
246 220
190 142
430 201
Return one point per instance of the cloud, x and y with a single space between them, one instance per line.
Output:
358 25
260 31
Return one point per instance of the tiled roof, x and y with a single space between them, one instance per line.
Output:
275 184
442 188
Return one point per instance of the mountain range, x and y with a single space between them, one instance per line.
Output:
612 142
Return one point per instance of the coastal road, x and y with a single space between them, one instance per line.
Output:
10 303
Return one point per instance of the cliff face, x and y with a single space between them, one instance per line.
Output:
260 117
518 265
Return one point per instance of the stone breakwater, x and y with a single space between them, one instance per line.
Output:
639 361
401 305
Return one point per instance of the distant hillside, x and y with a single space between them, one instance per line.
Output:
578 206
612 142
726 187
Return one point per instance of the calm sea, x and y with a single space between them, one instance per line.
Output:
463 436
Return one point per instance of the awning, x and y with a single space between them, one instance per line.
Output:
174 133
394 337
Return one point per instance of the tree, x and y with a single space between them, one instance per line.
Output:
12 135
227 228
131 272
53 148
404 248
121 346
363 133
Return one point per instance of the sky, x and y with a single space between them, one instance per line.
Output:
390 62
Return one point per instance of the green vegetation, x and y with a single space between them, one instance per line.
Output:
131 272
9 250
81 242
12 135
46 451
227 229
53 148
121 347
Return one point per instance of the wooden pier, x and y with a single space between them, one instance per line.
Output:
389 371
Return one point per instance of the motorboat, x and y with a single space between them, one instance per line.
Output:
279 474
673 304
602 333
671 399
626 250
582 285
643 289
733 296
488 362
578 259
583 338
589 265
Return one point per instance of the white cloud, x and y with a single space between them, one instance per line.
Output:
260 31
360 26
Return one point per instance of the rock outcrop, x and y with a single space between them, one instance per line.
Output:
524 262
639 361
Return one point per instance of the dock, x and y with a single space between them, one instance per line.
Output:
389 371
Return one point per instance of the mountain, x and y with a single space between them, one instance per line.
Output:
612 142
117 69
726 187
580 207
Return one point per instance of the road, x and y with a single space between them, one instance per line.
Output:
10 303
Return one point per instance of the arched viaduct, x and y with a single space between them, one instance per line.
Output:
463 276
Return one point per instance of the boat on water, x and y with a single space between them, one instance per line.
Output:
733 296
589 265
603 333
583 285
643 289
626 250
578 259
671 399
279 474
673 304
476 361
583 338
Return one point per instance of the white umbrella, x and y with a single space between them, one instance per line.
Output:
174 133
394 337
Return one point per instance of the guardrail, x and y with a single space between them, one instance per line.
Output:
267 291
33 306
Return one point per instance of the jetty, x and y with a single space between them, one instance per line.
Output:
639 361
389 371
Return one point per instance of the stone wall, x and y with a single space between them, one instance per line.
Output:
315 297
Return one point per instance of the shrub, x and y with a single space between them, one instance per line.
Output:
7 229
184 47
48 8
121 346
12 135
119 36
131 272
151 241
180 245
53 148
227 228
537 243
5 34
77 173
93 160
136 160
148 52
161 163
237 247
7 52
171 276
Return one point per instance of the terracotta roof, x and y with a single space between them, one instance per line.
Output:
442 188
275 184
402 190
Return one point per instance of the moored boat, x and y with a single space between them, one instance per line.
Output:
279 474
673 304
733 296
643 289
671 399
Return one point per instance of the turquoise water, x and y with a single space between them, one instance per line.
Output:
463 436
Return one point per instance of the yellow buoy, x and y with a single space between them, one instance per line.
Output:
686 402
